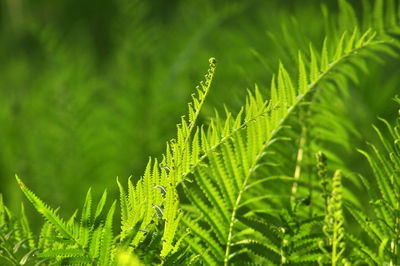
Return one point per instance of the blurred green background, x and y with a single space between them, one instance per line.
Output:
90 89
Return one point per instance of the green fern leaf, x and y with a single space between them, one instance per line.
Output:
95 242
100 207
47 212
260 250
324 57
302 76
197 230
25 227
314 72
86 224
105 256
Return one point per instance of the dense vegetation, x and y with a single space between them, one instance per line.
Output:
290 175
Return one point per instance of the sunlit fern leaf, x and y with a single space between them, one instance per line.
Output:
124 208
48 213
106 250
45 235
303 80
127 240
26 230
201 253
71 221
153 197
95 241
211 191
99 208
86 223
91 240
17 242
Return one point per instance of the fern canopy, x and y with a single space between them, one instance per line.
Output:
267 185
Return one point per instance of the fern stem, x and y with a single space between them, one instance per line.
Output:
233 217
172 220
191 126
299 162
334 244
50 216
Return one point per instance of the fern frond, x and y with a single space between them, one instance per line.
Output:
45 234
26 230
260 250
106 251
144 200
229 192
48 213
302 76
17 242
366 254
85 226
100 206
95 242
89 241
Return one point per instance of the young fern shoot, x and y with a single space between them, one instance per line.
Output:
334 225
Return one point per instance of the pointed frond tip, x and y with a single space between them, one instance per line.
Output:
19 181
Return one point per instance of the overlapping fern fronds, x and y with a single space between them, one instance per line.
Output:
69 242
153 198
222 195
245 189
17 243
149 210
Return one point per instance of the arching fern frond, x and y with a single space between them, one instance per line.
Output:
153 198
